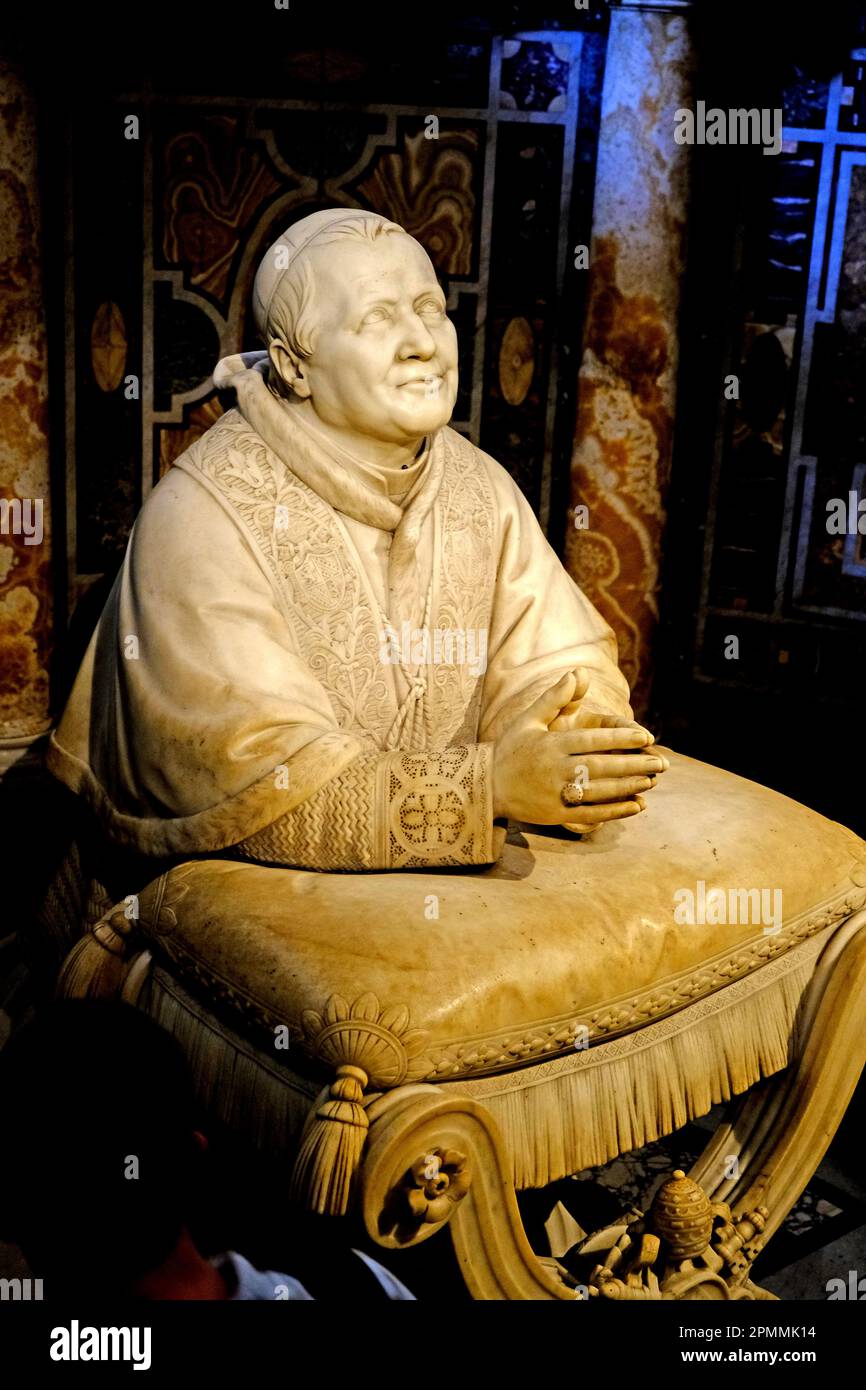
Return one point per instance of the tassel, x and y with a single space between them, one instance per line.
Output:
96 966
331 1145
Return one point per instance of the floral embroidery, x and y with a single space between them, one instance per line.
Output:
336 624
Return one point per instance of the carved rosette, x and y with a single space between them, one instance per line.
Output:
366 1035
434 1185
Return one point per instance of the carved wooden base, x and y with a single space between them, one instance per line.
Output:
435 1158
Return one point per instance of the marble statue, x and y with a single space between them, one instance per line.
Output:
339 638
340 641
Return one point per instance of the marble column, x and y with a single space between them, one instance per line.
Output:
627 383
25 545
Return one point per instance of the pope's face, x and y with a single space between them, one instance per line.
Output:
385 358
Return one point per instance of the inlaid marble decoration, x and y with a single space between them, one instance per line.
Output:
792 449
486 156
25 555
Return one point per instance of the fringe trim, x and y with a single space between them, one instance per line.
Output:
588 1115
556 1118
255 1096
250 1092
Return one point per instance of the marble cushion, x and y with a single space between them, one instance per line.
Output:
458 973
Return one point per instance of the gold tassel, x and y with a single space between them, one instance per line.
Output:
331 1146
97 964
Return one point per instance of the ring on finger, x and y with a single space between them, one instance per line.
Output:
573 792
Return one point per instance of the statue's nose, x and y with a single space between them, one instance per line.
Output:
417 340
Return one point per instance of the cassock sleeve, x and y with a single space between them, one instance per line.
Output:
391 811
542 625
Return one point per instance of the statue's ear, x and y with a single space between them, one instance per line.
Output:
288 367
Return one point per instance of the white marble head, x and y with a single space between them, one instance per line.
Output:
354 320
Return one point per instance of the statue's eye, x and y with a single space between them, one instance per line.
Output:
431 306
376 315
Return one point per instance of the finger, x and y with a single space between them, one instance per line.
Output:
597 815
619 721
616 788
571 708
549 704
570 717
578 716
581 741
581 683
600 765
576 719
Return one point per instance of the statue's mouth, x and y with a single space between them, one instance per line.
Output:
423 380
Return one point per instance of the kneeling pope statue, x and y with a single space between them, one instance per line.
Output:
339 638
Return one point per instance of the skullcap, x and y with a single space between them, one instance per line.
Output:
296 239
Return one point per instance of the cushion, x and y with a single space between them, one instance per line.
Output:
442 975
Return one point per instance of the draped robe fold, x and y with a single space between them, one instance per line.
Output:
240 689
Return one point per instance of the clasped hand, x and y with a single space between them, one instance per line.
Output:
558 741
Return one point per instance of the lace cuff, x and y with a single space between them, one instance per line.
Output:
390 811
